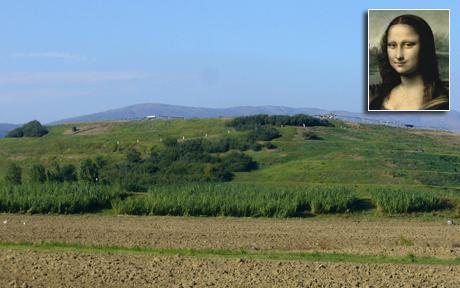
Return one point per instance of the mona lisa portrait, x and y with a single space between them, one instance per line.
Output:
408 62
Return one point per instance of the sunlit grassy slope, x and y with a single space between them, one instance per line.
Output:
352 154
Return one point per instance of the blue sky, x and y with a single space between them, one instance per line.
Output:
66 58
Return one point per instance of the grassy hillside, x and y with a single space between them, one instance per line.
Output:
348 153
101 138
362 154
361 157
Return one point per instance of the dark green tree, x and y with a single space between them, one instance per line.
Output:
34 129
16 133
31 129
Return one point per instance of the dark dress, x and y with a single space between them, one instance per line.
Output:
441 102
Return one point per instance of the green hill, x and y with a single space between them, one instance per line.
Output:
361 157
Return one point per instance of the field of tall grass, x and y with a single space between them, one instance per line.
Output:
239 200
217 199
61 198
394 200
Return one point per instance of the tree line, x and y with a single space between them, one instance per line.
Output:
252 122
195 160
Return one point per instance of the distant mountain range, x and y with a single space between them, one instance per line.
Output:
432 120
140 111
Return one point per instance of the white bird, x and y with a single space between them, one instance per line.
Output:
450 222
23 222
5 221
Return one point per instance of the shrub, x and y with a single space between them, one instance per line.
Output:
217 173
263 133
238 162
182 172
133 156
216 146
311 136
170 142
240 143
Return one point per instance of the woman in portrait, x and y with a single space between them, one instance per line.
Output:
409 68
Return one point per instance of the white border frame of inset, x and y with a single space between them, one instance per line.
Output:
368 56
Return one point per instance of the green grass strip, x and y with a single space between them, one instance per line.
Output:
246 254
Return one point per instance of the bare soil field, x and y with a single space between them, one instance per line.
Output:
25 268
70 269
386 237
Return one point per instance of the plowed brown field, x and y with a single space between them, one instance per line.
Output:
370 237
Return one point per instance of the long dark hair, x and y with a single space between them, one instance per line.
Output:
427 60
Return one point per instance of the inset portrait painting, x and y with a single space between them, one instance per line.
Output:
408 60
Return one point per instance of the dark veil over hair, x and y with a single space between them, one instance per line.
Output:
427 61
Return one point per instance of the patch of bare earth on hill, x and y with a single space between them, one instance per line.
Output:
73 269
94 128
453 138
449 134
90 130
386 237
